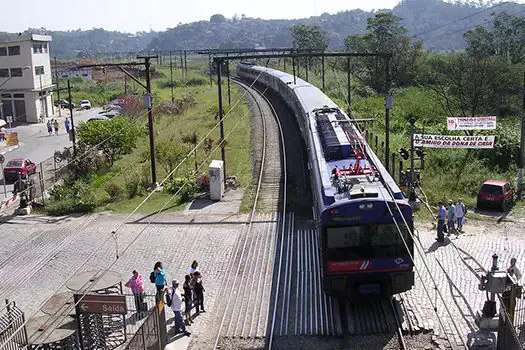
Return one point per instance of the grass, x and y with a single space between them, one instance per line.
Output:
196 119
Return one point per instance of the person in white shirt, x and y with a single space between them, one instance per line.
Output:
176 306
460 214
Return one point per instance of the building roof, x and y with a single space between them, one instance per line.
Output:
6 38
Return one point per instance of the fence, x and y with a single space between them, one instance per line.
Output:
12 334
151 331
511 332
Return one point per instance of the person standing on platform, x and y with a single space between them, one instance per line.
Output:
176 307
56 126
461 210
136 284
451 217
67 125
49 127
160 280
188 299
199 292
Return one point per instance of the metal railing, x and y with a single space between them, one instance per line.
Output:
12 333
148 327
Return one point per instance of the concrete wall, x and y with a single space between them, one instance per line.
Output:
18 61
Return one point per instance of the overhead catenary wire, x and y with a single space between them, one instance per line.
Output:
113 233
147 225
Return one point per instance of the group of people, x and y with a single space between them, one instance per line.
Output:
53 124
450 221
192 296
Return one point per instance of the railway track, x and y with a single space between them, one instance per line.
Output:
246 295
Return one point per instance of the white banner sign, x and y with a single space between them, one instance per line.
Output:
447 141
475 123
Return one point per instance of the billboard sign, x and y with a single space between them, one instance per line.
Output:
448 141
474 123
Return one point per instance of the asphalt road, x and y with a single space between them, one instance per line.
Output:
37 145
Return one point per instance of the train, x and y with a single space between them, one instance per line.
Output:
364 221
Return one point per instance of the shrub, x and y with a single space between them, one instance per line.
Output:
72 196
185 186
114 191
132 186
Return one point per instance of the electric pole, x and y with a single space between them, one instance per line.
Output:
171 75
388 105
522 144
58 90
412 177
148 103
72 137
221 124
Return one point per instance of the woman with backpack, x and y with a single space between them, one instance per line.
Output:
158 276
188 299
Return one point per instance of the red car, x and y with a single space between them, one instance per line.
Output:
495 194
18 166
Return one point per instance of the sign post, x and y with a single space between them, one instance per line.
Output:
100 304
2 160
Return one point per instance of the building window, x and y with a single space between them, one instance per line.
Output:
3 51
4 73
37 48
39 70
18 95
5 95
14 50
45 47
16 72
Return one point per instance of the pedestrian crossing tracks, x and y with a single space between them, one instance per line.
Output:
274 288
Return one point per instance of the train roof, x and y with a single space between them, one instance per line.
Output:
331 128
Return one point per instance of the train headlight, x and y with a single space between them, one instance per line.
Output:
334 212
366 206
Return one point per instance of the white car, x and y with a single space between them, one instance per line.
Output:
85 104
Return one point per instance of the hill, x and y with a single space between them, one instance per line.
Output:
427 20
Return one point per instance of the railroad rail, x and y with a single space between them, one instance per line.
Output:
245 310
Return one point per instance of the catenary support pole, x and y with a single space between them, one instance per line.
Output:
307 64
388 106
412 175
150 123
522 144
221 124
349 86
171 79
185 63
322 71
210 64
293 65
181 62
228 72
73 136
58 89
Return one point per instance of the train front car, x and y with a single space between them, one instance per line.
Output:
362 215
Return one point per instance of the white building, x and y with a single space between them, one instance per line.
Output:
25 77
86 74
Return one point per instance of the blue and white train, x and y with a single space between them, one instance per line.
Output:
359 209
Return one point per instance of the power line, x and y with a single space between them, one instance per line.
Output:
461 19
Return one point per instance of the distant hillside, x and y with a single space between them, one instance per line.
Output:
419 17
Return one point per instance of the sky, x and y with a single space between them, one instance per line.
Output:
139 15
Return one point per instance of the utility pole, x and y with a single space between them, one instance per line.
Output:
211 66
388 105
185 63
293 65
522 144
221 124
73 138
228 72
58 89
322 69
411 178
181 63
307 64
150 119
349 87
171 77
125 85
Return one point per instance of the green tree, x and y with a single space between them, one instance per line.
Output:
386 34
192 139
169 154
309 37
115 137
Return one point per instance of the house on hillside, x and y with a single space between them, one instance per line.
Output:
25 77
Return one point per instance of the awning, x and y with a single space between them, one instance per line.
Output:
2 123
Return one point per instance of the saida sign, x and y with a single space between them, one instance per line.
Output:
447 141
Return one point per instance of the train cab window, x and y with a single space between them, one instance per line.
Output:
388 234
345 237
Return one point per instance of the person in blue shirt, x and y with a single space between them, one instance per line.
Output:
160 279
442 215
67 125
451 217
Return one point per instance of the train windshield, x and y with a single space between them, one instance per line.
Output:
366 241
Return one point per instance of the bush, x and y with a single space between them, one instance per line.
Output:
71 197
185 186
114 191
132 185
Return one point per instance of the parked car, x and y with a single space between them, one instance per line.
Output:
64 104
18 166
85 104
97 118
497 194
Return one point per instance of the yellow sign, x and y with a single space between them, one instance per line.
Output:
11 139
